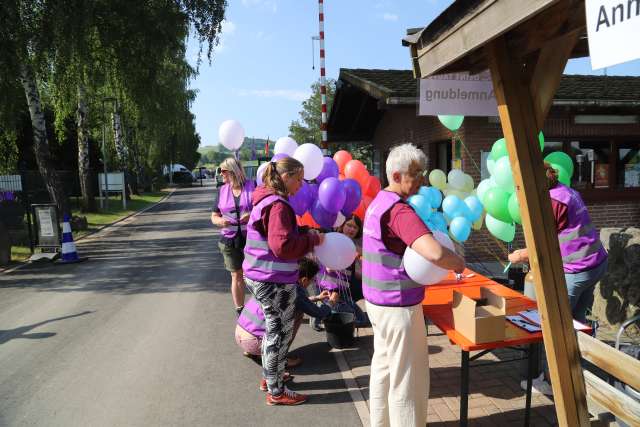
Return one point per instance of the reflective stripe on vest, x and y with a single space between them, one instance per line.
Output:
580 232
381 259
392 285
595 247
269 265
261 244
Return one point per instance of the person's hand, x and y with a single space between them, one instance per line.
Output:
226 222
245 218
461 267
333 298
323 295
517 256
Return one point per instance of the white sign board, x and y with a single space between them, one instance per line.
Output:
115 181
46 223
458 94
613 27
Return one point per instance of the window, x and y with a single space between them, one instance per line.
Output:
443 156
628 164
604 168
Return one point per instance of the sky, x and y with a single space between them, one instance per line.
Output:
262 69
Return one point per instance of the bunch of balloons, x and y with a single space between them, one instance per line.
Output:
334 187
497 193
460 208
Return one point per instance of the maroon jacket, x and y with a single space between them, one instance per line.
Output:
278 224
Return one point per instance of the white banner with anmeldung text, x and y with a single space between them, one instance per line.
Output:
458 94
613 27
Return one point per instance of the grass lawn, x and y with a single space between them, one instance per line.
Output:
99 219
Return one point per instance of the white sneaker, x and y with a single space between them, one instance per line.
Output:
538 385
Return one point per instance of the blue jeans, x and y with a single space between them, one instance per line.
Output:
580 287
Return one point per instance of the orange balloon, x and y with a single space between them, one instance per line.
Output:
373 186
307 220
367 201
356 170
342 157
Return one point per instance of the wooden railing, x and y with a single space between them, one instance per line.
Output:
622 366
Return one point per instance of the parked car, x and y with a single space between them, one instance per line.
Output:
183 177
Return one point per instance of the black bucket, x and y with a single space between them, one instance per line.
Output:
340 329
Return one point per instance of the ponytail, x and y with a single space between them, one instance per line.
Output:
272 175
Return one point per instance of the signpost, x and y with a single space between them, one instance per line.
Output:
47 231
114 183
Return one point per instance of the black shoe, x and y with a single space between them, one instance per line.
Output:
239 310
316 327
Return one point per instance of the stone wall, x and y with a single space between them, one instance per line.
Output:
617 296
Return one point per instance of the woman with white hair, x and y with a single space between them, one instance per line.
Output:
231 212
399 381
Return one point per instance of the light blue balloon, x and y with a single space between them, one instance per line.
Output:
421 205
435 197
451 205
460 228
424 191
438 221
475 207
447 219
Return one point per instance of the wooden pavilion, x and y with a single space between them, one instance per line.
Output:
526 44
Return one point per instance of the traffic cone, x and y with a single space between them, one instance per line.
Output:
69 253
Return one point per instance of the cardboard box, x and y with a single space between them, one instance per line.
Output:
482 320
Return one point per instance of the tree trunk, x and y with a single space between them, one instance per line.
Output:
121 149
40 143
84 166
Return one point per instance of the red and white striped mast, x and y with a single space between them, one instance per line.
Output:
323 86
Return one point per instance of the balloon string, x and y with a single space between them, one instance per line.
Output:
468 153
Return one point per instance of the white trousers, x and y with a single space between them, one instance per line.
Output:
399 381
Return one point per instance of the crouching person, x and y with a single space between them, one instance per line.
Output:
250 329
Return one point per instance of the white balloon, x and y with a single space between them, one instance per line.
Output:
456 179
310 156
422 271
231 134
337 252
339 220
259 172
285 145
490 165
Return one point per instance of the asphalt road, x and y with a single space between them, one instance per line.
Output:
142 335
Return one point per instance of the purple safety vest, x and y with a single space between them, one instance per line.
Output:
252 319
228 207
580 246
384 279
260 263
331 280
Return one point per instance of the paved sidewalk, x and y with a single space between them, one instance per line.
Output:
495 396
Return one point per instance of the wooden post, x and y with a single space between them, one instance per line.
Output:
518 116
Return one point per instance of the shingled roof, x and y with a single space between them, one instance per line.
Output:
384 84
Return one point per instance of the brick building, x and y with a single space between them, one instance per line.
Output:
594 119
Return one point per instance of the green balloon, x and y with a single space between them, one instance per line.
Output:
452 123
563 175
562 159
496 203
505 231
499 149
514 208
541 140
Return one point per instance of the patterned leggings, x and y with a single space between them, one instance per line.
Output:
277 301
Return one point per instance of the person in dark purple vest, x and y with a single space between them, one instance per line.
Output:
399 381
274 246
231 211
584 258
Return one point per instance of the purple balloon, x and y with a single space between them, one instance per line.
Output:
301 201
353 194
329 170
313 189
322 217
331 195
279 156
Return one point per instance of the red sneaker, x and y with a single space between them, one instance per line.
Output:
285 379
288 398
